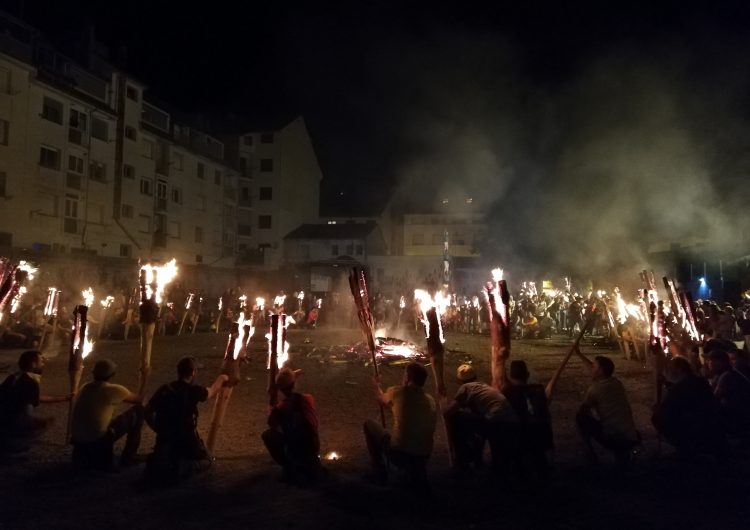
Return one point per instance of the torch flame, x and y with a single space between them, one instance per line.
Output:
17 299
497 274
29 269
189 301
164 276
220 302
283 355
88 347
402 302
50 308
260 302
426 302
301 295
107 302
279 300
243 301
88 297
240 341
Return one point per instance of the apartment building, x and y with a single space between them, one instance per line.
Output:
278 190
87 165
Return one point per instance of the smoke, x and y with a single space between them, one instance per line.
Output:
633 151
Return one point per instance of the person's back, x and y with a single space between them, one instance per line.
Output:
733 392
414 418
18 392
94 408
175 412
486 401
610 402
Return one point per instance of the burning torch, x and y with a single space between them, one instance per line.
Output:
358 285
278 352
498 302
12 286
50 311
106 305
220 311
188 306
153 281
239 336
80 347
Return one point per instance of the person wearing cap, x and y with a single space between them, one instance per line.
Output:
292 438
605 415
94 426
172 413
20 394
481 412
409 446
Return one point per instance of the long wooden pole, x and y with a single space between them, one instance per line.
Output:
358 286
75 358
230 367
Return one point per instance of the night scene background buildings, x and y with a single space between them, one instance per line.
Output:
91 164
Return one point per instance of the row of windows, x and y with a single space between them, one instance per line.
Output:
265 138
457 238
351 250
53 110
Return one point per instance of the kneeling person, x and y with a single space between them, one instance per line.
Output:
172 413
95 428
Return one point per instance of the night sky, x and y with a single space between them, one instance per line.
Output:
534 104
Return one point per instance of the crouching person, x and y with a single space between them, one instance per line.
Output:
95 428
292 438
172 413
410 445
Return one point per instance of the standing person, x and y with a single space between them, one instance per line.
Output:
172 413
95 428
605 415
731 386
414 417
20 394
481 412
292 438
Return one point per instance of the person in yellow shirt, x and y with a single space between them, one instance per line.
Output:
95 428
605 415
414 416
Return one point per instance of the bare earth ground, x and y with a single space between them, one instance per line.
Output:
242 489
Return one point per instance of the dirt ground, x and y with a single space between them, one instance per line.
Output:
242 489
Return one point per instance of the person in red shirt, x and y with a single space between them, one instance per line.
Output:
292 437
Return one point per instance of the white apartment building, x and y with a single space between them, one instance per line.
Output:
88 166
278 190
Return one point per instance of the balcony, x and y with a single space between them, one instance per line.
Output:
155 117
72 226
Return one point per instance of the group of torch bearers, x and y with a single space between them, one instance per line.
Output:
673 334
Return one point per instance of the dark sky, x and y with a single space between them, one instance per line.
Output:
531 102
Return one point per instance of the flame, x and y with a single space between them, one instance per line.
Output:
319 303
475 301
88 297
164 276
243 301
426 302
240 341
189 301
107 302
88 347
301 295
260 302
333 455
29 269
50 308
497 274
15 304
221 303
279 300
402 302
283 355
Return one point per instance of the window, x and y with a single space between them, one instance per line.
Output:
161 195
245 168
148 148
52 110
177 160
4 130
99 129
359 250
126 211
266 138
177 195
128 171
217 177
131 93
266 164
75 164
264 221
417 239
70 222
334 250
97 171
130 133
266 193
126 251
78 120
201 170
146 187
247 139
144 223
198 234
49 157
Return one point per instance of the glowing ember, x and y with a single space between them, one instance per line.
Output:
163 274
333 455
